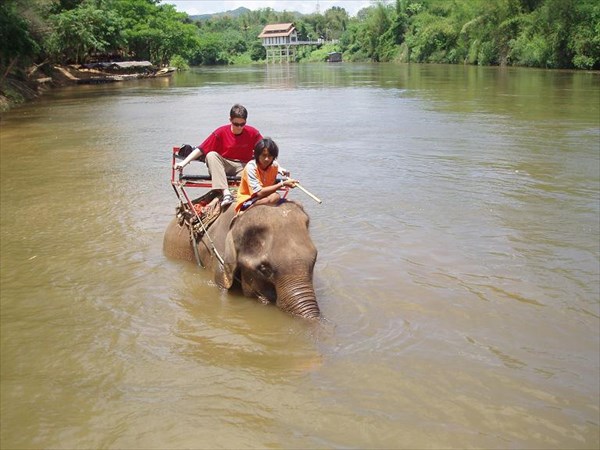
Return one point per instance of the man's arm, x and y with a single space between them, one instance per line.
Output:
194 155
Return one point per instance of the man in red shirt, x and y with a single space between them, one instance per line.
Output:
227 150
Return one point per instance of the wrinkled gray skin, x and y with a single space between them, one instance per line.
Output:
267 248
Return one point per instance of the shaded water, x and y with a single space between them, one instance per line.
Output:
458 265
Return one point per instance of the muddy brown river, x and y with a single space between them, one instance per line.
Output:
458 268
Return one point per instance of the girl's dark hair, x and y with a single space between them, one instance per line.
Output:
266 143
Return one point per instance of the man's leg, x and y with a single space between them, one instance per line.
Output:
219 168
216 168
235 167
232 168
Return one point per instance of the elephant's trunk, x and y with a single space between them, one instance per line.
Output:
296 295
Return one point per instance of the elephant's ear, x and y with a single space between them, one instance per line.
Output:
224 275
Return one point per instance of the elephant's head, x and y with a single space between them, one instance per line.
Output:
269 250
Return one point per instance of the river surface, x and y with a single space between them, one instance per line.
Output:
458 268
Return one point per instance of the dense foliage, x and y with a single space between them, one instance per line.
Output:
536 33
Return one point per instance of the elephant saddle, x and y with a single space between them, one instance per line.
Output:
206 210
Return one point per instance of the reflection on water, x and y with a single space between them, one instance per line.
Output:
458 265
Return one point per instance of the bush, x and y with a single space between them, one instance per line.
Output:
321 53
243 58
531 51
179 62
487 55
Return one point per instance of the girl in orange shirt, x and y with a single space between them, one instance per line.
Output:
257 186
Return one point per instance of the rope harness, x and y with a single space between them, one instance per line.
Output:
197 216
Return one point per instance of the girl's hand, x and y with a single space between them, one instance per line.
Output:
290 182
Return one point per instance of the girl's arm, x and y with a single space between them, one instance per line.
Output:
268 190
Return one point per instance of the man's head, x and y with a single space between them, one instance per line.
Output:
237 117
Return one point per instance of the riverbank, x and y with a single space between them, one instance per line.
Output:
18 89
15 90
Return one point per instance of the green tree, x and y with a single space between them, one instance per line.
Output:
16 41
486 30
336 21
209 50
351 44
318 24
374 37
78 33
233 41
584 39
156 32
557 21
257 51
431 37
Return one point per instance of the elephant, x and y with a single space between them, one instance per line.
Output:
266 249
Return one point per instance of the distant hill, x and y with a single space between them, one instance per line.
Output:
233 13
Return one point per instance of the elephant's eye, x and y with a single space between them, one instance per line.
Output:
265 270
